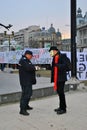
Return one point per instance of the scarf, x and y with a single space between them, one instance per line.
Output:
56 59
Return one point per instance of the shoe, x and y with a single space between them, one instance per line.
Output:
57 109
29 108
61 112
24 112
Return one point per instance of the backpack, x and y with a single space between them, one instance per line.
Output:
68 63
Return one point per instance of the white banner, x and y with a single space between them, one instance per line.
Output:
42 56
82 65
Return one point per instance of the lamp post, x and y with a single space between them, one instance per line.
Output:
73 81
7 27
9 41
9 38
42 42
73 39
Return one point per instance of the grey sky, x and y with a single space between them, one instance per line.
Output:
23 13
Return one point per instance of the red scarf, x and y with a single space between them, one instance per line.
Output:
56 59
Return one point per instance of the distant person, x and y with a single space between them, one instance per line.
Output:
27 78
59 76
2 66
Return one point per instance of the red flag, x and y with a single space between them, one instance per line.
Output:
56 72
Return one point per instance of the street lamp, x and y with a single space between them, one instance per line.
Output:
73 81
9 36
7 27
42 42
73 38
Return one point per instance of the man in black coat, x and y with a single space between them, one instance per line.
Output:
27 79
59 76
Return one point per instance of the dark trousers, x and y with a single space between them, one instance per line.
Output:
2 66
26 95
60 92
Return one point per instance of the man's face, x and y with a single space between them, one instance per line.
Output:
53 52
29 56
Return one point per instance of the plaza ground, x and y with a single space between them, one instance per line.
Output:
43 115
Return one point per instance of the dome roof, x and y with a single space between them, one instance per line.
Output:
79 10
79 13
51 29
44 32
58 33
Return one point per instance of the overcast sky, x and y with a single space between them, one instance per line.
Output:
24 13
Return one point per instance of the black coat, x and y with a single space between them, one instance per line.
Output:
62 75
26 72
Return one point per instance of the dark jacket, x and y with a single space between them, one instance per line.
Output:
62 76
26 72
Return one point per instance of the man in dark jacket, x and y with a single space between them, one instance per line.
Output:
59 76
27 79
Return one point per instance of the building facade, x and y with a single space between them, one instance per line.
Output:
81 30
36 37
81 39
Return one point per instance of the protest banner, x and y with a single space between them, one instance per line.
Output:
42 56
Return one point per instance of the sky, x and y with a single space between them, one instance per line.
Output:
24 13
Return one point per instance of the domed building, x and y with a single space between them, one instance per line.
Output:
79 17
59 35
59 39
51 29
81 30
36 37
79 13
56 36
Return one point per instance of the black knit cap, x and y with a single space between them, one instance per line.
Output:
28 52
53 48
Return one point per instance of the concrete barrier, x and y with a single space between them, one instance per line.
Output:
37 93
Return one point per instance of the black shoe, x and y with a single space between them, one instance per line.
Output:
24 112
29 108
57 109
61 112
